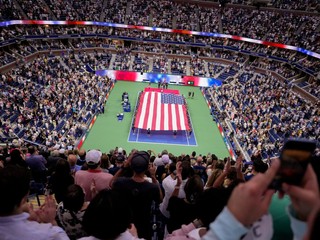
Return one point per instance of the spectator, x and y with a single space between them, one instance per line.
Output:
109 217
52 161
258 167
81 157
18 221
60 180
140 193
17 158
72 159
85 178
37 164
71 210
184 210
169 184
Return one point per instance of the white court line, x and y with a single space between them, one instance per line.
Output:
174 144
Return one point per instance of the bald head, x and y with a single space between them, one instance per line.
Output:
72 159
199 160
82 154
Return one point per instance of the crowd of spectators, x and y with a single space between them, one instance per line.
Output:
115 11
122 60
178 66
198 66
264 112
141 63
34 11
160 64
143 194
42 103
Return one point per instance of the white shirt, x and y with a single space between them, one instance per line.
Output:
18 226
168 185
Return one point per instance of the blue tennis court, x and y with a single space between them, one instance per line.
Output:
163 137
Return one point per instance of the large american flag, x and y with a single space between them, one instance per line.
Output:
161 111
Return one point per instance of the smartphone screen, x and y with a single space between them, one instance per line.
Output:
293 165
294 158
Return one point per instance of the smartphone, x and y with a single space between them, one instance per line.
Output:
294 159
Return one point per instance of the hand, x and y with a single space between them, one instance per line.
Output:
250 201
179 168
47 211
127 163
133 230
28 208
304 198
227 166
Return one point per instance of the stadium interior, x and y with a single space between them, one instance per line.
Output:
88 86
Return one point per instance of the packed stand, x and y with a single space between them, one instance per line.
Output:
264 112
115 11
48 110
140 63
183 194
34 11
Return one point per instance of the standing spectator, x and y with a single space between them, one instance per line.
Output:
169 185
16 158
109 217
37 164
85 178
72 159
140 193
82 157
200 169
184 210
60 180
15 222
52 161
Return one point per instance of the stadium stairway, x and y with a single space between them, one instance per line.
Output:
169 65
113 59
188 69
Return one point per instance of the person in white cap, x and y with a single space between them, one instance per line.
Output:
94 177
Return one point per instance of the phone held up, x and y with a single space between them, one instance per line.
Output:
294 159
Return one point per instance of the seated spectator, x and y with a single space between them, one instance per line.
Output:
17 219
85 178
71 210
109 217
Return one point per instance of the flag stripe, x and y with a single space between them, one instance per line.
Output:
136 125
151 110
158 114
154 114
174 116
162 117
186 124
178 117
182 123
147 110
169 117
165 117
